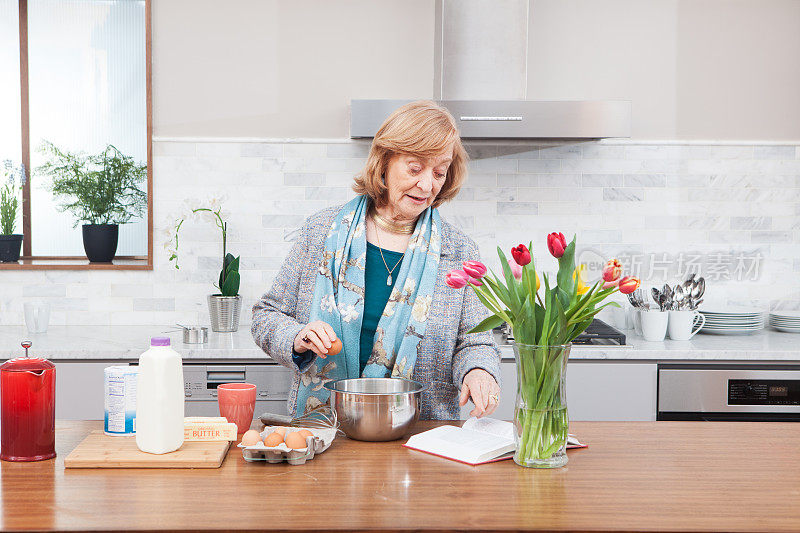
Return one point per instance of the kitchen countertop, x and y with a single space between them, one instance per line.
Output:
128 342
635 476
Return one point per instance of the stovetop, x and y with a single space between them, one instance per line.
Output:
598 333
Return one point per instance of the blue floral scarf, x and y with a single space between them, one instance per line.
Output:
339 301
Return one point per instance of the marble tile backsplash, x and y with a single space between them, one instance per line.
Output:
729 212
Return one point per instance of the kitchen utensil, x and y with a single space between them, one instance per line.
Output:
654 325
103 451
321 416
376 409
237 401
28 403
683 325
700 289
37 316
678 298
194 334
656 296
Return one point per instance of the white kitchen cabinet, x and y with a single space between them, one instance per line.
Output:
79 390
599 390
596 390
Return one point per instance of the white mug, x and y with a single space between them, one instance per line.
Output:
654 324
37 316
683 325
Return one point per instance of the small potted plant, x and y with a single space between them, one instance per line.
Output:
224 307
10 242
101 190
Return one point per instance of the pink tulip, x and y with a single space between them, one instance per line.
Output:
612 271
475 269
516 270
628 284
609 284
475 282
456 279
556 243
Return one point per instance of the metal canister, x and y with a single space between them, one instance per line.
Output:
120 400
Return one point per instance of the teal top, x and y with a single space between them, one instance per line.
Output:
376 294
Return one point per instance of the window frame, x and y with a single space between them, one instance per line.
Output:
77 262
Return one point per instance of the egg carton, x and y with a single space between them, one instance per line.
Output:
318 442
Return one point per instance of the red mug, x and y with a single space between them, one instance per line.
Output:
237 401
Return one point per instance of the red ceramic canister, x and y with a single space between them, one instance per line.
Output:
28 402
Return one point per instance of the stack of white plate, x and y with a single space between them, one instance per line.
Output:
788 321
732 320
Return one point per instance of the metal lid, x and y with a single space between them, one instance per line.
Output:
26 364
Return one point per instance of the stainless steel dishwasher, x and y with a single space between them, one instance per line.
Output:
755 392
272 382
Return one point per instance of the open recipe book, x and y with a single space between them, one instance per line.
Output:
477 441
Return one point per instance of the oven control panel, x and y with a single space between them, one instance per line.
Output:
763 392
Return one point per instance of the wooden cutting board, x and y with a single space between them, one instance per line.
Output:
99 450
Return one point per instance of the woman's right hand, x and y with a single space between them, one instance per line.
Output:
320 336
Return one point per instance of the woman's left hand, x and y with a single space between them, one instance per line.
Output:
480 386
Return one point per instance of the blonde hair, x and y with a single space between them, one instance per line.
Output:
422 129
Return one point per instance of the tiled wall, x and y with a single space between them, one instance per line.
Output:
667 209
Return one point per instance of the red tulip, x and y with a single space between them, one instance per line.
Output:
609 284
456 279
475 269
612 271
475 282
556 243
628 284
521 254
516 270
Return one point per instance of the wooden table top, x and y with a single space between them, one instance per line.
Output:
635 476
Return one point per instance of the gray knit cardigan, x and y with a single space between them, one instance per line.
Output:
447 351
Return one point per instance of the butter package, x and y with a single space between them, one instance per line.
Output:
198 428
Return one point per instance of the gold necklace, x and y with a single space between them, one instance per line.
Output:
380 250
392 227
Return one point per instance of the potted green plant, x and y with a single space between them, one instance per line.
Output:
224 307
100 190
10 242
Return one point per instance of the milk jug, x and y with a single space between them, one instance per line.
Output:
159 399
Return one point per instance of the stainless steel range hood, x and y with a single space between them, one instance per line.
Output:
511 119
481 77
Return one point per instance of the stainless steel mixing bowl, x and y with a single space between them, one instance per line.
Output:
376 409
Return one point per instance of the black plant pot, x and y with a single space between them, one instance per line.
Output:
100 242
9 248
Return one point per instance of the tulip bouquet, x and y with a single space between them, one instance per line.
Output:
544 324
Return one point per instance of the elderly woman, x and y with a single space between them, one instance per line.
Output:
371 274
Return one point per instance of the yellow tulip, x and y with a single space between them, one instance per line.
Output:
580 271
538 283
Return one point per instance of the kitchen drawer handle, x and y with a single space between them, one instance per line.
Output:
490 119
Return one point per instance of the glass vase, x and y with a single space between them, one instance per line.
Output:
540 415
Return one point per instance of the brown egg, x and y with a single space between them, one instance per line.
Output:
305 433
250 438
280 430
336 347
272 440
295 441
